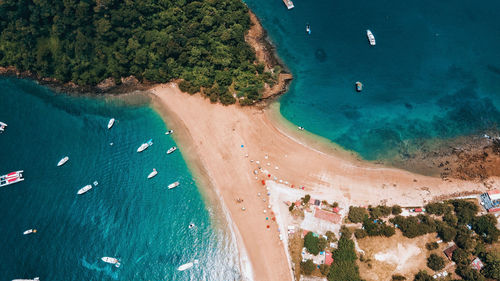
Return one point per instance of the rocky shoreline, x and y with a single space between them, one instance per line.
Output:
473 157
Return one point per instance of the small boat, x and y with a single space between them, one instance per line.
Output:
191 225
308 29
172 149
169 132
95 183
301 128
62 161
187 265
173 185
359 86
29 231
10 178
34 279
2 126
371 38
111 261
289 4
145 145
111 122
152 174
84 189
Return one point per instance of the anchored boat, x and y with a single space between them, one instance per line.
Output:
289 4
169 132
308 29
359 86
2 126
111 122
34 279
370 36
111 261
172 149
62 161
173 185
145 145
152 174
29 231
10 178
84 189
187 265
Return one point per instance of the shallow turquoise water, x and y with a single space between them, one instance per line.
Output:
126 216
434 72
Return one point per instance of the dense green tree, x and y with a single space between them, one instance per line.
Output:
460 256
465 210
431 246
492 266
311 243
330 236
485 226
357 214
435 262
437 208
469 274
344 267
199 42
396 210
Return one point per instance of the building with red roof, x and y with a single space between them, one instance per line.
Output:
328 258
327 216
477 264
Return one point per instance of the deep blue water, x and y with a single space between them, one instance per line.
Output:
126 215
434 72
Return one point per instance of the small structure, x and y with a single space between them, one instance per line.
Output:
477 264
491 200
328 216
449 251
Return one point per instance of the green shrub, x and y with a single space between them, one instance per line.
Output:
307 267
431 246
435 262
398 277
323 268
360 233
396 210
423 276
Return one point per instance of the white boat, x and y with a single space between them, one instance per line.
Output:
308 29
62 161
2 126
187 265
152 174
172 149
111 261
11 178
145 145
173 185
371 38
289 4
84 189
111 122
29 231
169 132
34 279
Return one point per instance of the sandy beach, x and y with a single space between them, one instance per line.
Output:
236 148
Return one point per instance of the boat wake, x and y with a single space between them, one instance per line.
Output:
108 270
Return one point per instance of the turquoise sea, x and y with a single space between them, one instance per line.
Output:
434 73
125 216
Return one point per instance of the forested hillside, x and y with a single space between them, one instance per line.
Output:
87 41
